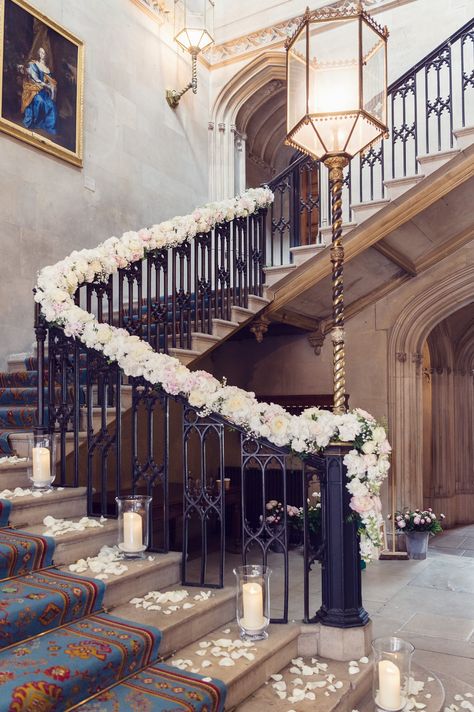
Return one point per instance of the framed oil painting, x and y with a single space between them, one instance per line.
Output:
41 81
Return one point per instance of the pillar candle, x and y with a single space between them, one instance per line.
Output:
389 684
252 598
41 462
132 531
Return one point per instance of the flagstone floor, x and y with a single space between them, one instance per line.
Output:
430 603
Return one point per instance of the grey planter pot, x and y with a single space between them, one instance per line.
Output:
417 544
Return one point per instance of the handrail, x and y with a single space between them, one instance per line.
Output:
429 57
286 171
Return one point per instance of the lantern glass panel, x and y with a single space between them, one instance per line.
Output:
194 24
373 73
296 84
334 68
364 133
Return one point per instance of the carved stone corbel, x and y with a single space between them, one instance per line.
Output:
259 328
316 340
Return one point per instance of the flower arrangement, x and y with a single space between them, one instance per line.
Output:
275 512
418 521
367 463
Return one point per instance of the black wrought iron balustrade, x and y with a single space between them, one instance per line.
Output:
425 105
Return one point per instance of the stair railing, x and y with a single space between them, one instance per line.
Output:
123 434
425 105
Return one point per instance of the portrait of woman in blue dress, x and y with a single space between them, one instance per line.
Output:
38 100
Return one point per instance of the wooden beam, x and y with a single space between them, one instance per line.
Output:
301 321
396 257
445 249
397 213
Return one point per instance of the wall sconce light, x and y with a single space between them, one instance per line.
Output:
194 27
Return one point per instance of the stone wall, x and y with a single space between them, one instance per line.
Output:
143 163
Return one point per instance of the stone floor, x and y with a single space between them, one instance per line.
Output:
430 603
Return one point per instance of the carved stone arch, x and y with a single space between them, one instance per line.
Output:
405 346
267 67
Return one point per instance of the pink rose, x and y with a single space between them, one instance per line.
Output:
361 504
416 520
401 524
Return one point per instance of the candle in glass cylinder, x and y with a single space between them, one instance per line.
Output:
132 532
389 686
252 603
41 462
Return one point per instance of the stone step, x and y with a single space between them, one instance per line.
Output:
186 356
464 136
246 676
275 274
203 342
183 626
19 441
143 575
304 252
364 211
75 545
14 474
398 186
67 503
326 232
222 328
16 362
432 161
342 698
241 314
256 304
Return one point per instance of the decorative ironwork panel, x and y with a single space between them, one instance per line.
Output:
261 534
204 500
149 457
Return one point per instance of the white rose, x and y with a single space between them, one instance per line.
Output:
369 447
379 434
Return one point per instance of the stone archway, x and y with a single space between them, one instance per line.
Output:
224 138
405 369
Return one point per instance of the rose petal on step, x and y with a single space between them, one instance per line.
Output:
280 685
206 664
186 606
353 670
204 644
277 677
226 662
200 652
364 660
338 684
310 696
207 679
281 694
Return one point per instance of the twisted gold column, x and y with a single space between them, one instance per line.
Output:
336 165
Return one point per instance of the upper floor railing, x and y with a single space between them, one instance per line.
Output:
425 105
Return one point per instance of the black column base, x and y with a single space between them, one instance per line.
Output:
342 618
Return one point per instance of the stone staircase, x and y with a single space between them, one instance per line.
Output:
18 384
360 212
196 638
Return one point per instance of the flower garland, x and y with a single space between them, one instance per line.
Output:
367 464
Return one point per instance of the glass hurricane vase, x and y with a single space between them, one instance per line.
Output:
42 460
133 531
253 601
392 662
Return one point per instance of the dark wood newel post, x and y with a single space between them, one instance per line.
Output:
341 574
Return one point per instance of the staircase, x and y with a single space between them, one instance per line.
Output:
119 434
176 653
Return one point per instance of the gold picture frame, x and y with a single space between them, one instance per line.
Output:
41 81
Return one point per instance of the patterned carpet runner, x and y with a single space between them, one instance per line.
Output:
22 552
58 651
45 600
5 509
18 401
61 668
161 688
